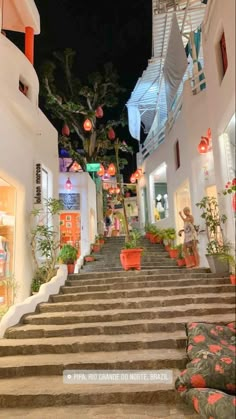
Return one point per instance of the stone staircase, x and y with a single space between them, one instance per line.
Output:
108 319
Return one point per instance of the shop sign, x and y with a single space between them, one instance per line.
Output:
70 201
92 167
38 184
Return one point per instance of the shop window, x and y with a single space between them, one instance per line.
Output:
177 155
7 237
223 50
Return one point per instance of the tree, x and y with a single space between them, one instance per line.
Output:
76 102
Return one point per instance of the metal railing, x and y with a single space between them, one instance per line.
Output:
151 144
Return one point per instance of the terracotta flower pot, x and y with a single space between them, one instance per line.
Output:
233 279
190 261
89 259
71 268
96 248
101 241
173 253
167 247
180 262
131 259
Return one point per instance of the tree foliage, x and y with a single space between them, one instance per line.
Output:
71 101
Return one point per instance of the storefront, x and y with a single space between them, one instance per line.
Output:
7 242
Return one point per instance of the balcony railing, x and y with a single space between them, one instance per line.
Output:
198 83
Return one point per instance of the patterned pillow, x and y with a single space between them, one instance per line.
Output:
211 404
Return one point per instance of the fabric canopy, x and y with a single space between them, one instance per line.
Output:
175 63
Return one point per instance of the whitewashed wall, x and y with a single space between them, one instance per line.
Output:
26 136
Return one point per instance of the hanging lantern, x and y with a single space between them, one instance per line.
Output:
87 125
111 191
106 176
234 202
117 190
68 184
203 146
101 171
65 130
111 134
99 112
75 167
132 178
111 169
137 175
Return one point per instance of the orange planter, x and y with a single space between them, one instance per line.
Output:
180 262
96 248
233 279
89 259
71 268
173 253
167 247
190 261
131 259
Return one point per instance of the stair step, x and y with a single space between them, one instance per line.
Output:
132 274
55 364
76 286
136 303
134 314
42 391
11 347
142 292
77 279
113 328
116 411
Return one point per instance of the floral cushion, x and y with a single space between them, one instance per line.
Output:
211 351
211 404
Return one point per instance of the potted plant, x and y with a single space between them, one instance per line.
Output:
180 257
68 255
230 259
39 278
101 239
131 253
96 247
214 227
169 236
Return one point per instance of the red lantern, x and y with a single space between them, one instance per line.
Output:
68 184
65 130
87 125
75 167
101 171
203 146
99 112
132 178
111 191
111 170
111 134
234 202
234 182
118 190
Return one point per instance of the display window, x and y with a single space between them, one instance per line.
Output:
7 241
70 229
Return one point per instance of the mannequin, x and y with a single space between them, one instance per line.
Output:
166 205
159 205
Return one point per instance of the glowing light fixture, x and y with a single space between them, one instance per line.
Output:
68 184
132 178
111 169
101 171
87 125
203 146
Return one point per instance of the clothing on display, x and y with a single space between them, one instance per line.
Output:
159 205
166 204
4 257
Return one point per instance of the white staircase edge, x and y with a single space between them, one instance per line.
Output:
14 314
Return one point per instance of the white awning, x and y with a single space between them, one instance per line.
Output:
17 14
147 93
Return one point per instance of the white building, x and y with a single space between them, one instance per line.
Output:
28 145
179 99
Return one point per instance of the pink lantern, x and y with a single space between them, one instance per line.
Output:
111 134
99 112
68 184
65 130
111 169
87 125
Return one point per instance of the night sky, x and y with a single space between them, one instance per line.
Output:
117 31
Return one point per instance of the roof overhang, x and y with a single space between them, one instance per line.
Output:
18 14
